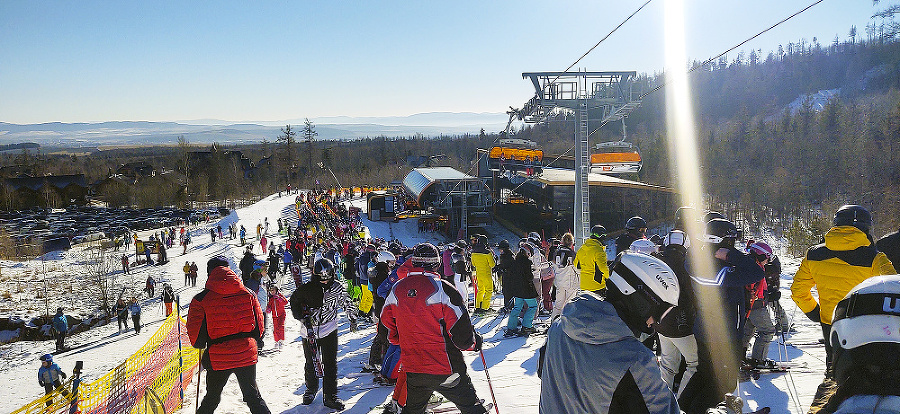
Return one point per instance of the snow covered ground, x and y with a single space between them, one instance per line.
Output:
511 362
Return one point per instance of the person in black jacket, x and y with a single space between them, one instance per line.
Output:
121 310
385 262
635 228
246 263
503 269
315 304
719 349
522 289
676 328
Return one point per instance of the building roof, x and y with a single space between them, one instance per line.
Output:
36 183
419 179
563 177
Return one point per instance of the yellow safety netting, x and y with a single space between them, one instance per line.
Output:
152 380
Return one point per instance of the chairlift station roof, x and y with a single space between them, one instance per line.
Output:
420 179
566 177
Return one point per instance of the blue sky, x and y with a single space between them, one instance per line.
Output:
88 61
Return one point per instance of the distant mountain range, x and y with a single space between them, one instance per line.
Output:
113 133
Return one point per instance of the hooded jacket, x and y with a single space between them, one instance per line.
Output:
60 323
518 281
845 259
226 317
246 265
426 316
732 276
320 302
50 374
594 364
482 261
589 260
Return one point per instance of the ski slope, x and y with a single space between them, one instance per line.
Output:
511 362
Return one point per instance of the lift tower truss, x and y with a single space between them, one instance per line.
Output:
596 98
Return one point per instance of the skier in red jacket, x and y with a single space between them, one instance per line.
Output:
426 317
225 318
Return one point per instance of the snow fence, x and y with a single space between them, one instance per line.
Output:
152 380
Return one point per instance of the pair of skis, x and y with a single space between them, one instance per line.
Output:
779 367
313 347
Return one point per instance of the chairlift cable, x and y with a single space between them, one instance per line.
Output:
708 61
505 131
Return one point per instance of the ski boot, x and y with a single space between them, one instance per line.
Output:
392 408
511 333
333 402
382 380
526 331
765 364
310 394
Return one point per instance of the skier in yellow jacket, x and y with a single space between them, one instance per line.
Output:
591 260
483 262
847 258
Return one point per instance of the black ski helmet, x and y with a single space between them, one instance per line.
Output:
641 286
426 256
681 217
324 269
636 223
864 334
719 230
713 215
504 244
598 232
853 215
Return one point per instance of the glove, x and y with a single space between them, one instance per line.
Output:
814 316
479 340
353 326
63 375
775 296
41 382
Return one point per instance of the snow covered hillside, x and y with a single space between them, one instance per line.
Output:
511 362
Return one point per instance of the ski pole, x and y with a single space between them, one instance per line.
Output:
491 387
199 370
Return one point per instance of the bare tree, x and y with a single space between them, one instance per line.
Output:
309 135
98 268
287 139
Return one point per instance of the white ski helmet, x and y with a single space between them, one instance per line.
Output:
644 246
647 285
865 331
385 256
535 238
677 237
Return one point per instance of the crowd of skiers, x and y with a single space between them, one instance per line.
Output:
631 332
641 330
